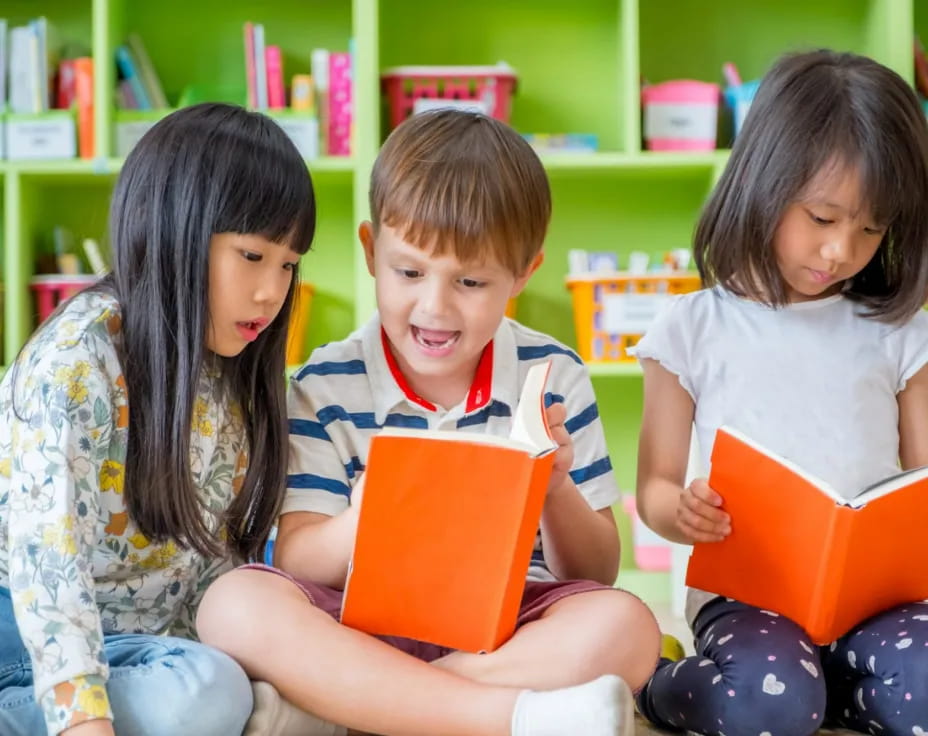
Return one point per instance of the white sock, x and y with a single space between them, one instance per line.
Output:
601 707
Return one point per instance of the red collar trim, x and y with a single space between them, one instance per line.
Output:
477 397
479 394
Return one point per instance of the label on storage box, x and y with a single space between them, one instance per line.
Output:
631 314
41 137
681 121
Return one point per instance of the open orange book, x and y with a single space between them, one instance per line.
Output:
447 526
798 548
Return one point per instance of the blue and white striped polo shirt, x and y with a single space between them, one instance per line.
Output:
348 390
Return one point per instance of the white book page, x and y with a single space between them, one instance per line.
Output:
529 429
529 425
888 485
452 435
870 493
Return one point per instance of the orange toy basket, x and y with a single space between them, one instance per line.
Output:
299 323
489 88
612 311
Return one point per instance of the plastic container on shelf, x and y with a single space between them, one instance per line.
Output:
411 89
680 115
612 311
739 99
52 289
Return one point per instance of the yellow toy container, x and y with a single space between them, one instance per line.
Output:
612 310
299 322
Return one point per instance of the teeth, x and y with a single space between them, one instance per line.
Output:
432 344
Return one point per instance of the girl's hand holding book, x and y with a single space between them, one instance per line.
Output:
699 515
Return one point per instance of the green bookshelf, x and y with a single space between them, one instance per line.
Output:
579 66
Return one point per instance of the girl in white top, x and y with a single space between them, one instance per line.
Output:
811 340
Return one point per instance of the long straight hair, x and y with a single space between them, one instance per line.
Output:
815 110
203 170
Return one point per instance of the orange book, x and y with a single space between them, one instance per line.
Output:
446 529
83 95
799 548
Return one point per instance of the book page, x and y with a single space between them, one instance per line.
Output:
453 435
808 477
888 485
529 425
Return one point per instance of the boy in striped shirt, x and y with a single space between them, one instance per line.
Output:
460 206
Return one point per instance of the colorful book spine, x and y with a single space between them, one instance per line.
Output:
319 64
146 71
340 104
128 70
64 96
301 93
250 69
260 68
83 94
276 97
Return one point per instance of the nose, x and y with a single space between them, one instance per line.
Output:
839 249
435 297
272 286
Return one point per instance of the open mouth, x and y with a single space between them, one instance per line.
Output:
435 339
250 329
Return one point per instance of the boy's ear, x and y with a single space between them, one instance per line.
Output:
366 236
522 280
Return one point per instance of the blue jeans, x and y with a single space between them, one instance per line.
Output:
158 685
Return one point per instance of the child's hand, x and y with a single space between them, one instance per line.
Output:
357 494
699 516
556 414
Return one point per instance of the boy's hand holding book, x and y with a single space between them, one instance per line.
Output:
699 514
556 415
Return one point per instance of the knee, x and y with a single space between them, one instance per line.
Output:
206 692
633 638
783 708
232 605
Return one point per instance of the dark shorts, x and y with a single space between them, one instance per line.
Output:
538 597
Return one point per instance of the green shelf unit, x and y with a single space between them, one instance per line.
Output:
46 197
568 58
579 68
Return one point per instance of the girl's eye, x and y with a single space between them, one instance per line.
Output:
820 220
874 231
250 256
473 283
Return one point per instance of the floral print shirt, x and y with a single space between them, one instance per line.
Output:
76 565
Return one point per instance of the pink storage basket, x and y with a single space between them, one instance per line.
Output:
652 552
490 87
680 115
52 289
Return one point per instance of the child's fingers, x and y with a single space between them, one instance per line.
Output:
701 490
701 519
698 528
556 415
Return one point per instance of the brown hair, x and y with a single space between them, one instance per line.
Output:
814 110
464 183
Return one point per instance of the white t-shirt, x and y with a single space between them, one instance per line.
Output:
815 382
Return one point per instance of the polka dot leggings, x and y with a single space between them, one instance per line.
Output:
757 674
